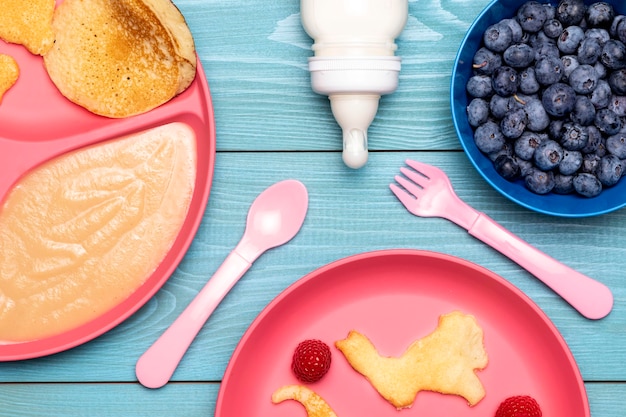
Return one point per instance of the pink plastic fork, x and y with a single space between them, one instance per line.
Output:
426 192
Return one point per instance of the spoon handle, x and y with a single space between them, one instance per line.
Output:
156 366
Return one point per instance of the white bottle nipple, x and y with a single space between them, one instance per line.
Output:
354 114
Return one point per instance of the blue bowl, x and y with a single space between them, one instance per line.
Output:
570 205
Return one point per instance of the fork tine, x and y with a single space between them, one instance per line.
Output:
417 177
411 187
426 170
405 198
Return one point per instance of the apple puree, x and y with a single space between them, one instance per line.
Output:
80 233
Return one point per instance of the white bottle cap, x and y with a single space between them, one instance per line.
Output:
368 75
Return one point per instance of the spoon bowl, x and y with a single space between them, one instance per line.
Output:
274 218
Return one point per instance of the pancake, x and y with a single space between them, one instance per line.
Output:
9 73
28 23
120 58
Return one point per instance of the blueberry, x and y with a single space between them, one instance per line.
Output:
477 112
536 39
528 81
498 37
584 112
517 33
601 150
616 145
485 61
600 69
507 167
559 99
590 163
594 140
514 123
570 12
524 166
587 184
608 122
620 31
563 184
570 39
539 182
600 34
499 106
507 150
613 29
601 96
555 129
571 162
518 55
550 11
583 79
538 118
552 28
618 105
617 81
613 54
589 51
599 14
488 137
546 49
570 63
531 16
548 70
479 86
505 81
524 147
609 170
574 137
548 155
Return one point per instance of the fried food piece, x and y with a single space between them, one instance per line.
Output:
120 58
314 405
9 73
444 361
28 23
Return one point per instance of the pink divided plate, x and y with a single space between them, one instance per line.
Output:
37 124
396 297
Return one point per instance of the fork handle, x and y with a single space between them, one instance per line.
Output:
589 297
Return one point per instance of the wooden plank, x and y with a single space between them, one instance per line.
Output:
106 400
351 212
112 400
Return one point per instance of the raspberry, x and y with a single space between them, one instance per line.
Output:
311 360
519 406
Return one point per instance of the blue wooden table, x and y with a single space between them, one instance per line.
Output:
271 126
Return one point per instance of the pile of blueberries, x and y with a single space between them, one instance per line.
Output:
548 97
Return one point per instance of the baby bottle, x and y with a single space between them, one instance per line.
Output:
354 62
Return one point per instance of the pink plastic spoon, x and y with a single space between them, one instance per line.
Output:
275 217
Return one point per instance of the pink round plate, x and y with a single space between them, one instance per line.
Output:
396 297
37 123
